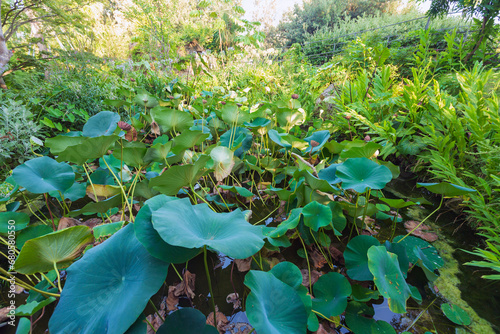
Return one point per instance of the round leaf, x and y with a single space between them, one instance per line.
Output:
194 226
108 288
317 215
356 257
456 314
331 292
361 174
274 307
41 175
186 321
101 124
150 238
446 189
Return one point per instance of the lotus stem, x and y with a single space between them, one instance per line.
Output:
150 324
29 287
416 227
177 272
58 277
50 211
49 281
156 310
122 189
209 283
308 264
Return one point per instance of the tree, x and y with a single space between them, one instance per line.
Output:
487 10
312 15
17 15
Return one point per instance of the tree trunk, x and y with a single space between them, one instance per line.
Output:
5 55
479 41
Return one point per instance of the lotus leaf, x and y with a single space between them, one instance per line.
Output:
274 307
182 224
31 308
328 174
446 189
19 221
356 257
317 215
55 249
358 317
361 174
31 232
320 138
150 238
108 288
223 159
388 278
42 175
238 190
456 314
171 119
331 292
186 321
101 124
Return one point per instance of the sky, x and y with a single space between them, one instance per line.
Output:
284 5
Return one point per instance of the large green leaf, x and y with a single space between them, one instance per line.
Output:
188 139
13 221
171 119
150 238
176 177
361 174
101 124
446 189
108 288
317 215
58 248
41 175
31 232
415 245
364 151
274 307
356 257
288 118
328 174
233 115
331 292
182 224
84 149
31 308
388 278
131 153
186 321
456 314
358 317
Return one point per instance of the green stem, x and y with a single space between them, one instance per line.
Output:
122 189
416 227
308 264
212 297
177 272
58 277
156 311
49 281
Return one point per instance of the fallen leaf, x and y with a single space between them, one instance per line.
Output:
234 298
305 276
131 134
92 222
318 259
172 299
244 264
66 222
222 320
337 256
186 287
4 314
155 128
420 231
155 319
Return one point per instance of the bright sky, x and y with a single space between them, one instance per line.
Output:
283 5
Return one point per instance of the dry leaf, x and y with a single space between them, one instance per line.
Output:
186 287
4 314
305 277
234 298
337 256
172 299
155 128
92 222
155 320
222 320
323 330
420 231
131 135
318 259
66 222
244 264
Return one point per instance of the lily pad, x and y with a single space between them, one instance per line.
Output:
331 292
238 190
413 243
388 278
172 119
58 248
328 174
31 308
150 238
108 288
359 318
182 224
456 314
186 321
356 257
273 306
361 174
42 175
31 232
317 215
101 124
